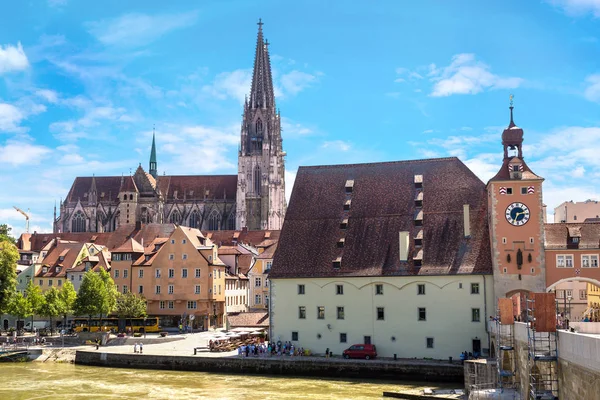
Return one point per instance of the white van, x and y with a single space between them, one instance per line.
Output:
37 325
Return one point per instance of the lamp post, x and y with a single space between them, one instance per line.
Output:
570 299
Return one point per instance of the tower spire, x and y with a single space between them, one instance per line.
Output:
512 123
261 93
153 170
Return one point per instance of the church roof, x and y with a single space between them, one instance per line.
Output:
107 188
382 206
198 187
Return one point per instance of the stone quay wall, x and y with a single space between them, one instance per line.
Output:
309 366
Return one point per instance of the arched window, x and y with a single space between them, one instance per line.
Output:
257 180
124 197
231 221
175 217
130 197
78 222
259 126
195 219
214 221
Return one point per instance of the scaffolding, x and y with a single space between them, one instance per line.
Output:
542 344
506 360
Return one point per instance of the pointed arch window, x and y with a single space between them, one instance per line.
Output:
259 127
195 219
231 221
257 180
214 221
78 222
175 217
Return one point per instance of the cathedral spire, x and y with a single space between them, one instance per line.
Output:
153 170
262 94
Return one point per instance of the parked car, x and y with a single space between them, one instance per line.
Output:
366 351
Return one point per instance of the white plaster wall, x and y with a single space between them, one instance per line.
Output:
448 314
232 294
580 349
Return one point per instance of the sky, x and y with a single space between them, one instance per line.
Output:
83 84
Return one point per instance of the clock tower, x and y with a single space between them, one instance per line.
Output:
516 220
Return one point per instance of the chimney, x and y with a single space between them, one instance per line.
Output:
404 246
467 220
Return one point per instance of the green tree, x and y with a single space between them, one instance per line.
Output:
19 307
90 298
8 273
130 306
110 293
5 234
51 307
68 296
35 298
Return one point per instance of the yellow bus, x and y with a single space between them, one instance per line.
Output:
110 324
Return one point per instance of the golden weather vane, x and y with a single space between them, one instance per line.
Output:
511 97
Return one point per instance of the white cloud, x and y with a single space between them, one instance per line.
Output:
10 118
235 84
428 131
138 29
49 95
17 153
12 58
72 158
292 128
592 92
465 75
295 81
338 145
578 7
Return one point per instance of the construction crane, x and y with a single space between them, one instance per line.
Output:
26 215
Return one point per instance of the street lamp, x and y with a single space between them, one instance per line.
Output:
570 299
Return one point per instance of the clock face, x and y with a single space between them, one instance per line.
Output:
517 214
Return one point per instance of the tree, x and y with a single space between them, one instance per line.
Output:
19 307
68 296
90 298
51 307
35 298
130 306
110 293
5 234
8 273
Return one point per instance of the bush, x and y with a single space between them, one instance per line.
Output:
163 334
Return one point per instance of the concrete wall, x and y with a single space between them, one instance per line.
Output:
448 302
297 366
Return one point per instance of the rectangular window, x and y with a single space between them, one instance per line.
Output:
72 277
116 273
219 289
569 293
530 240
367 339
509 190
171 273
157 273
141 273
197 289
294 336
191 305
429 343
343 338
560 261
379 289
257 299
340 313
560 294
197 273
157 289
422 314
42 282
184 256
421 288
81 277
475 314
125 273
301 312
523 189
161 304
183 241
172 241
582 294
300 289
257 282
171 304
380 314
49 282
125 289
140 289
184 273
171 289
269 263
339 289
171 256
569 261
474 288
320 312
594 261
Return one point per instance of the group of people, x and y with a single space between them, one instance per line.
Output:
467 355
279 348
138 347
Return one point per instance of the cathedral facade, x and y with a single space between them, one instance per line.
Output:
253 199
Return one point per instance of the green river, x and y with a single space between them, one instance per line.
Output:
66 381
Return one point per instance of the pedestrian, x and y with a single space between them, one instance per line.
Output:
327 353
135 346
141 347
247 350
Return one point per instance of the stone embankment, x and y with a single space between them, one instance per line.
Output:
300 366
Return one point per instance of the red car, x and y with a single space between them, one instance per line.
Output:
366 351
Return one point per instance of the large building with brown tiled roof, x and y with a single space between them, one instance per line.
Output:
254 198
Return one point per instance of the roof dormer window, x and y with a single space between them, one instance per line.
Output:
58 269
44 270
349 185
337 263
61 258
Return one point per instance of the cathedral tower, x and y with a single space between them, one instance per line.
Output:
153 171
516 220
261 166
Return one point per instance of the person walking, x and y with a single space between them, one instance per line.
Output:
141 347
135 346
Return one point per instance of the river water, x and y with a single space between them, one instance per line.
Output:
67 381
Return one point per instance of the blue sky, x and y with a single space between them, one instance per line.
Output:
82 83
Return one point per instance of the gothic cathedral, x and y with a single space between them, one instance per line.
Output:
253 199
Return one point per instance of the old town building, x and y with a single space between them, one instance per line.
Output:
254 198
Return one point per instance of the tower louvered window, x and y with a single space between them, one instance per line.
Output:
257 180
195 219
78 222
175 217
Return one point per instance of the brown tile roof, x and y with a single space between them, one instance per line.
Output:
128 185
228 251
268 253
382 206
557 235
69 251
230 238
504 173
248 319
198 187
130 246
107 185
